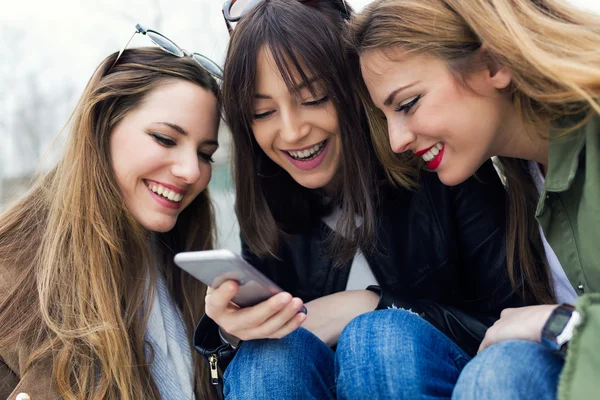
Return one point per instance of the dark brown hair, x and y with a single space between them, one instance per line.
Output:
270 202
79 259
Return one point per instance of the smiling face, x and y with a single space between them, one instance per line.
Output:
429 112
161 152
298 131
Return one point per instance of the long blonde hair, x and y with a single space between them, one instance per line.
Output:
79 259
550 48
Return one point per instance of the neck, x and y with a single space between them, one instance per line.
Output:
334 186
518 139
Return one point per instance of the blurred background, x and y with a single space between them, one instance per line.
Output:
50 49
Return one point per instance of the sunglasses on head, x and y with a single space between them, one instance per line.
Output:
234 10
170 47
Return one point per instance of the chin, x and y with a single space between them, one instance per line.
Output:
159 226
314 183
452 178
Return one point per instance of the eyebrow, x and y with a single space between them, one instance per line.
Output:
182 131
391 96
296 88
175 127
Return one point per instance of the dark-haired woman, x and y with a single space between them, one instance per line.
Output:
319 218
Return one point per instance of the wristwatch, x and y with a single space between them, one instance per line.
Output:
559 327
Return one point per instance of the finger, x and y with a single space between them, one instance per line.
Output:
489 339
290 327
279 320
219 301
484 344
209 290
251 317
508 311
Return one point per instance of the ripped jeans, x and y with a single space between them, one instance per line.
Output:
385 354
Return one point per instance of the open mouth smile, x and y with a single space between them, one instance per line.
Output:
309 153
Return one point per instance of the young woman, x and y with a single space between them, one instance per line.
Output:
91 304
319 218
520 80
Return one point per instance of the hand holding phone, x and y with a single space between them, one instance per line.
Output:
244 302
273 318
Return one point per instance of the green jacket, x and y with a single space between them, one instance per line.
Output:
569 214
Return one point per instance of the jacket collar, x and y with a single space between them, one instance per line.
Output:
563 158
563 155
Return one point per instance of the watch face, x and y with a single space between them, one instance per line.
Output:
558 323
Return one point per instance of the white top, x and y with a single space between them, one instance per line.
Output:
564 291
361 275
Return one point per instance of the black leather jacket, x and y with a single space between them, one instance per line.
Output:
440 251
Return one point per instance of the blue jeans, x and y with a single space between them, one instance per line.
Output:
515 369
387 354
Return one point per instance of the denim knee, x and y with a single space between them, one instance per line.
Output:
294 366
388 335
395 353
514 369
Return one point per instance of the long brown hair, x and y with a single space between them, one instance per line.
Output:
81 262
306 40
551 49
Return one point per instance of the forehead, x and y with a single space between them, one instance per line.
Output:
384 70
268 75
378 63
180 102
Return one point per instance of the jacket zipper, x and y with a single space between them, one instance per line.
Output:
214 372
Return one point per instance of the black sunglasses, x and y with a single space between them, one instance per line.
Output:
234 10
170 47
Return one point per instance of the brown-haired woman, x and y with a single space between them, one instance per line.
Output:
319 218
517 79
91 305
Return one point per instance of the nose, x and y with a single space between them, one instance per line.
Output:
401 137
187 166
293 126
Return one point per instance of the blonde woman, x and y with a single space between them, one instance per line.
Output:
462 81
91 305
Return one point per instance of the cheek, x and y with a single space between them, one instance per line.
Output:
432 124
264 140
118 164
205 176
330 120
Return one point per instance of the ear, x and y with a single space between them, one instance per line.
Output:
499 76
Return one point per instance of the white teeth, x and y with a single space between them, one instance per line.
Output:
166 193
433 152
308 152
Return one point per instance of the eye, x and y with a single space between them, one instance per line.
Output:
405 107
320 101
165 141
206 157
262 115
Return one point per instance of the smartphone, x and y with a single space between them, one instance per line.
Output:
213 267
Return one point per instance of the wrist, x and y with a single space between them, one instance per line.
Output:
229 339
559 327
